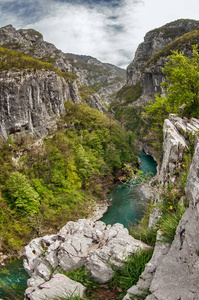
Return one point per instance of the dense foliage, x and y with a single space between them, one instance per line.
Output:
181 90
44 184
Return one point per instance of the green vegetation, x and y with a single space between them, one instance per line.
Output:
124 112
182 85
168 224
59 180
123 278
185 41
10 59
181 90
143 233
134 266
128 94
86 92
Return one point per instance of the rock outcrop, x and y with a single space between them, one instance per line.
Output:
178 135
142 287
177 276
99 247
173 271
31 101
59 286
105 79
150 75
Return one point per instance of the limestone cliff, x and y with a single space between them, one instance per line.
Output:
105 79
173 271
177 276
179 135
147 72
31 101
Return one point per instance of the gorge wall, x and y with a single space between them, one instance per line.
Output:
173 271
32 99
147 72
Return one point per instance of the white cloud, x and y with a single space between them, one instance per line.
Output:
109 33
102 32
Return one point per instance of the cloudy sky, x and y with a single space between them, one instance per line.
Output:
109 30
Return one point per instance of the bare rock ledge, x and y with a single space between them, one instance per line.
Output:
99 247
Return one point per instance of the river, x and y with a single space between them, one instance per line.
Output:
127 208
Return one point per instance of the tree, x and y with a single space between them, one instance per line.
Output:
21 194
181 88
182 84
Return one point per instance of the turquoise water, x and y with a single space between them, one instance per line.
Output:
127 206
13 280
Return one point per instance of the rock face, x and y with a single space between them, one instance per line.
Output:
173 271
59 286
97 246
178 134
178 274
143 285
104 78
151 75
32 101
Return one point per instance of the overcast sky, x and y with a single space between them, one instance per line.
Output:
109 30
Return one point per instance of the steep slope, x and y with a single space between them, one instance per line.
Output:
45 183
145 75
143 70
105 79
32 94
173 271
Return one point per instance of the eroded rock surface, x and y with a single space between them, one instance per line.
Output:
173 271
149 75
178 134
59 286
144 283
99 247
33 100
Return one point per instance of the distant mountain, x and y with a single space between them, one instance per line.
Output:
34 87
158 43
103 78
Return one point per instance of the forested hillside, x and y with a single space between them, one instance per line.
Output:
47 182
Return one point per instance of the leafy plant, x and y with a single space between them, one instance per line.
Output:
168 224
21 194
182 81
129 275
